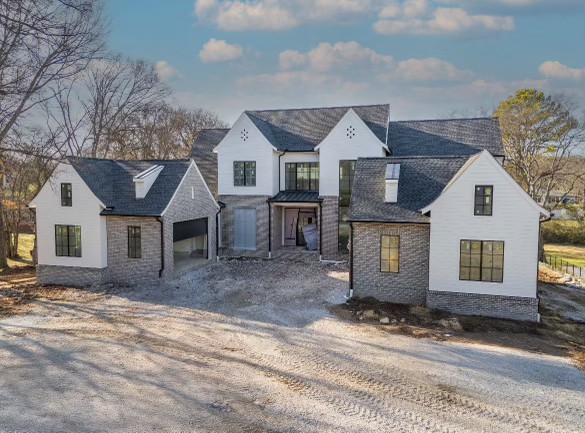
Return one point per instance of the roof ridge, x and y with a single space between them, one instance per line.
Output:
418 157
447 120
214 129
91 158
317 108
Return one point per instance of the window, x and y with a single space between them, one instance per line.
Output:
302 176
346 171
484 199
68 241
390 253
244 173
482 261
66 195
134 242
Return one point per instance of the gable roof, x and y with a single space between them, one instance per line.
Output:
112 183
301 130
422 179
203 155
447 137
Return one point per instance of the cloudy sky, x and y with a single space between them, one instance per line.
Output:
426 58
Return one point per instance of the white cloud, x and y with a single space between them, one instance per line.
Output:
445 21
558 70
166 71
430 69
215 51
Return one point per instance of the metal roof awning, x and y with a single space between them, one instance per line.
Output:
296 197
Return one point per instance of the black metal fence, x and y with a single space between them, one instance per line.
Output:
564 266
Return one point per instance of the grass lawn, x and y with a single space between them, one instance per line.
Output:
574 255
25 245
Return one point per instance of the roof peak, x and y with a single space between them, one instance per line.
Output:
446 120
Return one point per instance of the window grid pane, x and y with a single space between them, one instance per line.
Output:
483 200
134 242
67 241
66 194
481 261
390 253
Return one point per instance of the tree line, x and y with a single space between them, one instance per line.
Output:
64 93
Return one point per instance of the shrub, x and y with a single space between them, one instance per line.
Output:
564 232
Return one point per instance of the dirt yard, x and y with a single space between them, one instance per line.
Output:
255 346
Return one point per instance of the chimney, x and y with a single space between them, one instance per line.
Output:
143 181
392 175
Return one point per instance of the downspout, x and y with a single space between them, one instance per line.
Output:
320 230
221 206
350 294
162 247
270 226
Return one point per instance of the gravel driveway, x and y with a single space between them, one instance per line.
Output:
250 346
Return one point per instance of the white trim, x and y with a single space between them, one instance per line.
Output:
351 112
215 149
193 164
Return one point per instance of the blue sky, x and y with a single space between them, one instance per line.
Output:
426 58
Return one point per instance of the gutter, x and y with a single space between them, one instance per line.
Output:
270 226
350 294
162 247
321 230
221 206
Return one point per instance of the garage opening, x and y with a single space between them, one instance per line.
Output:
190 244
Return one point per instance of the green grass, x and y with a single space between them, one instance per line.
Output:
573 254
25 245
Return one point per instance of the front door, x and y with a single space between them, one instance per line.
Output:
291 217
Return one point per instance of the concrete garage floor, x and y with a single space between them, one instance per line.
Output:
250 346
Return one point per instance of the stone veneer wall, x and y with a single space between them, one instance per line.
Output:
71 275
125 270
504 307
257 202
330 230
410 284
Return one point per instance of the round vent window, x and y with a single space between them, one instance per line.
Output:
244 134
351 132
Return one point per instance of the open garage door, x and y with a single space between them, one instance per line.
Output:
190 244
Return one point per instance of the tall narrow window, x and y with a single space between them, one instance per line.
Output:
244 173
481 261
346 171
484 195
301 176
68 241
390 253
66 194
134 242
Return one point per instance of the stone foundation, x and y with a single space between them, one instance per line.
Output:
472 304
71 275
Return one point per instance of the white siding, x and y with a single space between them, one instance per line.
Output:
338 146
255 148
295 157
514 221
85 212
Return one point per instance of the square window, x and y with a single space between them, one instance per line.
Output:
481 261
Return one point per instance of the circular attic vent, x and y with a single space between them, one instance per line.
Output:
244 134
351 132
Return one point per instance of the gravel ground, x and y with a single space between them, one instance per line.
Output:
250 346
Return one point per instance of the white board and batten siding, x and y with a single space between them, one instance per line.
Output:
255 147
338 146
515 221
84 212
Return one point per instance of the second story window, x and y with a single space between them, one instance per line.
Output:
302 176
66 195
244 173
484 198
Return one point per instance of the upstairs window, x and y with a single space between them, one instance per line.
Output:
68 241
390 253
302 176
134 242
481 261
244 173
484 198
66 195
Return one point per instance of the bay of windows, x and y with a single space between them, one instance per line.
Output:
302 176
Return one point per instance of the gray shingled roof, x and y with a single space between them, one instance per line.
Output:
296 197
422 179
206 160
112 182
449 137
298 130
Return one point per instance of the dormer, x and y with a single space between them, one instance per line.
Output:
144 181
392 177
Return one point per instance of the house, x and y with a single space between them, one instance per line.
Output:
128 222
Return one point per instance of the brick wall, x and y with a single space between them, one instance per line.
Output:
257 202
329 235
124 270
71 275
409 286
276 221
191 201
504 307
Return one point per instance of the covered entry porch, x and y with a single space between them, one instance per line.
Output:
295 224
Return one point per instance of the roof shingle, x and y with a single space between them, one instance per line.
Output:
206 160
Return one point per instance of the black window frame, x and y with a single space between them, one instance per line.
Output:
483 204
66 194
482 256
389 271
245 173
64 234
291 178
134 242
